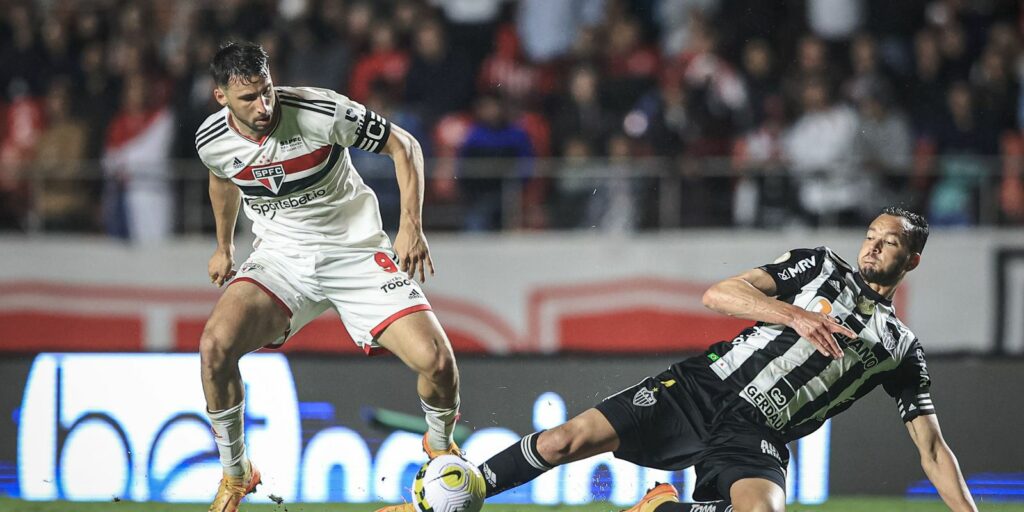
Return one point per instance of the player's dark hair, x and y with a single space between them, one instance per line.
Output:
239 60
917 234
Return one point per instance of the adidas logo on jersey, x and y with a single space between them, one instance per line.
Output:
415 294
237 163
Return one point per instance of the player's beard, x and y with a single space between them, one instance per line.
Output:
883 277
256 128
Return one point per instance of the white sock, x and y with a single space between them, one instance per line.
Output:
229 434
440 424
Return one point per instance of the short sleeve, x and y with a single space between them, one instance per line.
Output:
794 269
205 135
359 127
910 385
213 169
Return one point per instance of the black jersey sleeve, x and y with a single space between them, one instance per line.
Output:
793 270
910 385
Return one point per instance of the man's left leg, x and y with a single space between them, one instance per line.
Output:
420 342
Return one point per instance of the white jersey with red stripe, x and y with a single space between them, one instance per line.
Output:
298 184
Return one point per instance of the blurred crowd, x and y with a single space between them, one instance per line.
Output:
611 114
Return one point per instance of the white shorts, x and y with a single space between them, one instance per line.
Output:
365 287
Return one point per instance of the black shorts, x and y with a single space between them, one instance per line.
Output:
670 422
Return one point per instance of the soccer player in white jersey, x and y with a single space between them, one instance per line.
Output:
826 335
280 154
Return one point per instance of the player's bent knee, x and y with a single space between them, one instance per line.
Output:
441 364
556 445
567 442
757 495
216 352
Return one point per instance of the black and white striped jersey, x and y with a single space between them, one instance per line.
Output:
298 184
794 386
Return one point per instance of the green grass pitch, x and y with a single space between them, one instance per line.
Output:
844 504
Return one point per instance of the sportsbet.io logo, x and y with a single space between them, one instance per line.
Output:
265 207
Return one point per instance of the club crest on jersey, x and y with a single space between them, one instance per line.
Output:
270 177
644 398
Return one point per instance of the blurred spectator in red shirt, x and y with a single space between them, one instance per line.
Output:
22 127
508 71
449 134
717 97
138 199
386 63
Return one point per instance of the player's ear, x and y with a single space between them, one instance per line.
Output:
218 94
913 261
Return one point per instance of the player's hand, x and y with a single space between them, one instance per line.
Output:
413 252
820 329
222 266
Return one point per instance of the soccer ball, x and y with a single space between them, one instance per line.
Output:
448 484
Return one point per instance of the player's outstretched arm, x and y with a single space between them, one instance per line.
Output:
410 243
750 296
225 198
940 464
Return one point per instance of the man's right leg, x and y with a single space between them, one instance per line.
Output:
584 436
244 319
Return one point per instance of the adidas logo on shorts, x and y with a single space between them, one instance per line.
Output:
415 294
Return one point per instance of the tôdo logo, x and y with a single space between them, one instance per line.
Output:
395 283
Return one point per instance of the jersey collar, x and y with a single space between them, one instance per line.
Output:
870 292
261 140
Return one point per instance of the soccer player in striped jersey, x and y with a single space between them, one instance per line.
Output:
826 335
280 154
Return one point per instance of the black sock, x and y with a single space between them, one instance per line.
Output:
710 506
514 466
